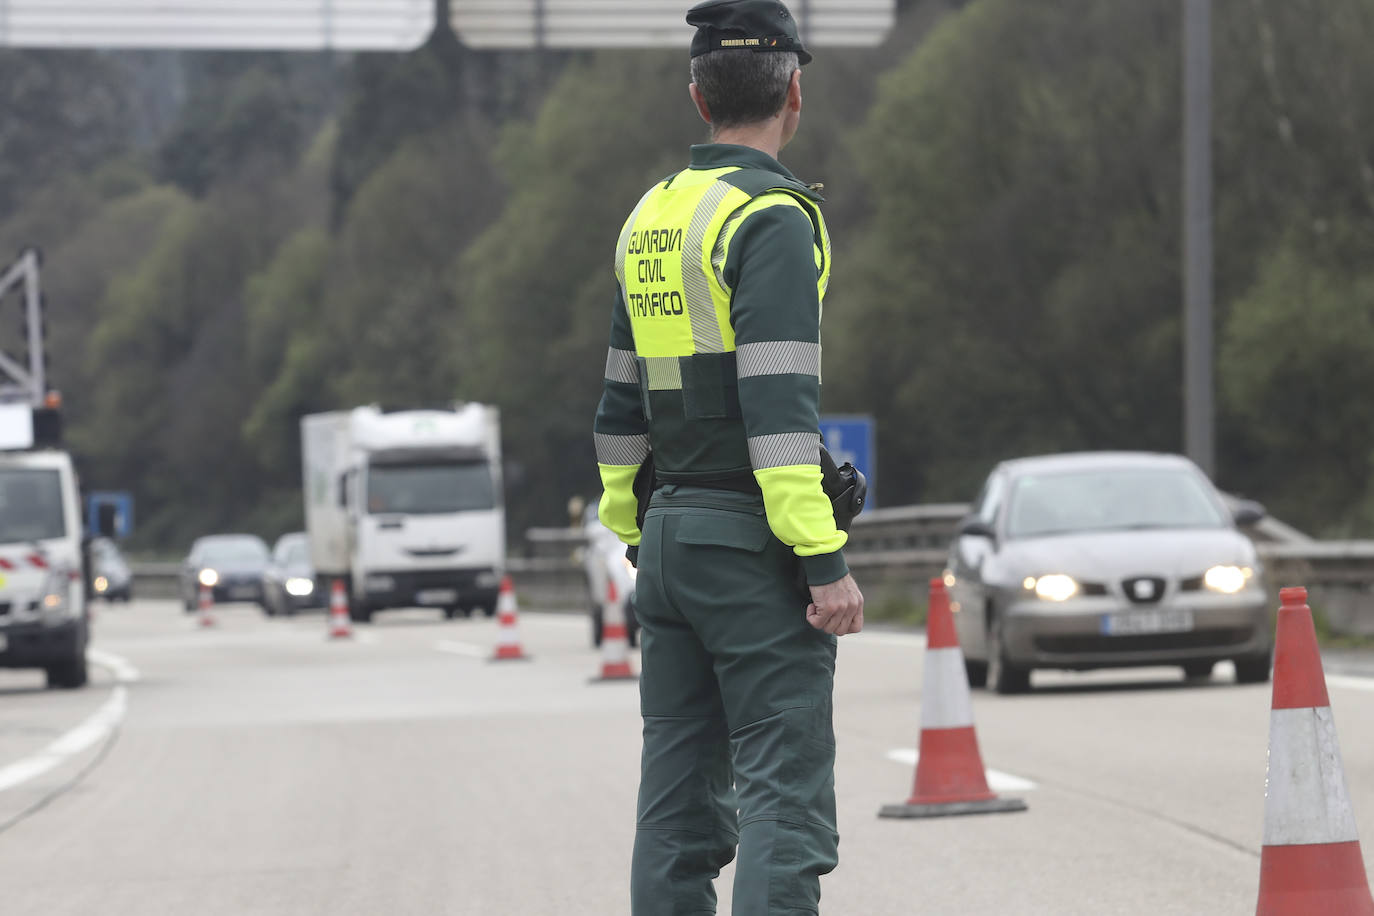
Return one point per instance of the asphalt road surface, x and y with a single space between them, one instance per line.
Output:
258 768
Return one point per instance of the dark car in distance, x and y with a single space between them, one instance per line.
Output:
289 582
230 565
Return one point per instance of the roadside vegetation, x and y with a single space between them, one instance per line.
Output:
234 240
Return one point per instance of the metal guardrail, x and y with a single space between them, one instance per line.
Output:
896 551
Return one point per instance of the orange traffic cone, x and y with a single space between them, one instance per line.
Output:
508 616
1311 861
207 607
340 624
615 639
950 778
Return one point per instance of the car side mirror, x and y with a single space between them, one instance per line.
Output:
974 527
1248 512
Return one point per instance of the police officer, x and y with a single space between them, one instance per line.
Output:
712 391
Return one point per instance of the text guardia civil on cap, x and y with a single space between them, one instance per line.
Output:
751 25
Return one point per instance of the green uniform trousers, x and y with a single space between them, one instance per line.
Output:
735 692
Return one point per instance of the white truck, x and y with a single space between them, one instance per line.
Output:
406 507
44 621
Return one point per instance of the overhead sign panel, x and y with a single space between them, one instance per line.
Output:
284 25
573 24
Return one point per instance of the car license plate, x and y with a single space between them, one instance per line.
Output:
242 591
437 596
1136 623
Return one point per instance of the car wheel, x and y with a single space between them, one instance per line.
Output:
451 613
68 674
977 673
1197 670
488 610
1253 669
1003 676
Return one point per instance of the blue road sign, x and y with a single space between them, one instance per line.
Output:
119 505
854 439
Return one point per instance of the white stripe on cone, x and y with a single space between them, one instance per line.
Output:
1306 800
945 700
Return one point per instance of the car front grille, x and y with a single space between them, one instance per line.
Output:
1218 637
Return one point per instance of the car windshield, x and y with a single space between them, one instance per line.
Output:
30 505
429 489
1107 500
237 551
293 552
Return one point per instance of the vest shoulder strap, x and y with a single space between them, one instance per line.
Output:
757 182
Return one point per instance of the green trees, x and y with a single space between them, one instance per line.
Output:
1004 199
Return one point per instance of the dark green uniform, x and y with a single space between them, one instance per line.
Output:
714 370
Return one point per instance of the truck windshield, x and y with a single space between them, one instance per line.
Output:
30 505
429 489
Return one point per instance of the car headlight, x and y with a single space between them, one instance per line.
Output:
101 584
299 587
1054 587
208 578
55 601
1227 579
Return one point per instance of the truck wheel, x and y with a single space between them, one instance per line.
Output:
488 610
977 672
67 674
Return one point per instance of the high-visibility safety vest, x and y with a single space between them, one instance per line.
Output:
671 267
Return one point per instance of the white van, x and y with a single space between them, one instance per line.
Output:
43 613
406 507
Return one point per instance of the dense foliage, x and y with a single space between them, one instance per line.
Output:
234 240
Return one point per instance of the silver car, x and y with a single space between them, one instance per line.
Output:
1106 559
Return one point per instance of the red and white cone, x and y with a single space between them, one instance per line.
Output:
950 778
615 638
1311 862
207 607
508 646
340 624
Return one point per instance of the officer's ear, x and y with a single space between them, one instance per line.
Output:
700 101
794 96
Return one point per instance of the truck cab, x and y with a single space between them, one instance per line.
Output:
44 620
406 507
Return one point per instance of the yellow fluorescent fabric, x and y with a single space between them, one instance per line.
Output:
794 513
618 508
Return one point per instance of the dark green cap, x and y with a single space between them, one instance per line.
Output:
752 25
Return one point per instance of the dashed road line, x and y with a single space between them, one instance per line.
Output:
997 780
466 649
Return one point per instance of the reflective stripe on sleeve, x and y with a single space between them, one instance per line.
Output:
782 450
621 366
779 357
621 451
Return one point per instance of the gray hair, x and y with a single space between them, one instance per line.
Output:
743 87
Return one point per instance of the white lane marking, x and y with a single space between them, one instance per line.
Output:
124 672
913 640
95 729
1350 682
462 648
997 780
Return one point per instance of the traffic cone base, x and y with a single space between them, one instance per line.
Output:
950 809
1311 861
1315 878
207 607
950 778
